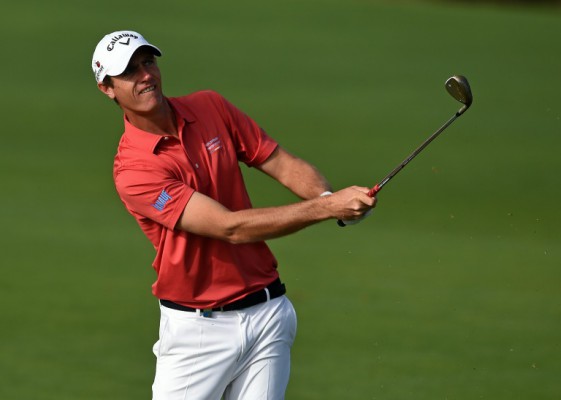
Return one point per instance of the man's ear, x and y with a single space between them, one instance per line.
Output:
108 90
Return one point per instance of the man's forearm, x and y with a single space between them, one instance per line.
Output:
272 222
306 181
299 176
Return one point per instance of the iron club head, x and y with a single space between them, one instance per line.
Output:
458 87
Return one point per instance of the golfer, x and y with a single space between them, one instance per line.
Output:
226 327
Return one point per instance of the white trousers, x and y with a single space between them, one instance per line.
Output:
232 355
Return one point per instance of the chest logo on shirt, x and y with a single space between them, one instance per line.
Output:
213 145
162 200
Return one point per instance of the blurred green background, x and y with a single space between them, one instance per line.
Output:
451 290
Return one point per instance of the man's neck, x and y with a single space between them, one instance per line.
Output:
160 122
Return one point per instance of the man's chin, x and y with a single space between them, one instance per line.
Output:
150 105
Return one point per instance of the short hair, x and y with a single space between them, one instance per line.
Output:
107 81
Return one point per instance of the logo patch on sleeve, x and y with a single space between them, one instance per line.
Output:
163 198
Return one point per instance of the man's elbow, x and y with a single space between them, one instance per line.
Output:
227 226
236 235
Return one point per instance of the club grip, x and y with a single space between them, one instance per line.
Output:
374 191
371 193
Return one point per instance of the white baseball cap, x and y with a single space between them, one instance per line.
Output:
114 51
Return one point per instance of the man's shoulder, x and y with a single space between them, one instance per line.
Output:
201 104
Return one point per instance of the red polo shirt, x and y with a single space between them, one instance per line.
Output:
156 176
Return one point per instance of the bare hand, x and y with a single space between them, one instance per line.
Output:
351 203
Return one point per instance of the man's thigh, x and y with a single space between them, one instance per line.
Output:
196 356
264 369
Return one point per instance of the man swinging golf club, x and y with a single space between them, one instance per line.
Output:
226 327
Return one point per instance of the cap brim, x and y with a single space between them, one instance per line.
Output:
119 68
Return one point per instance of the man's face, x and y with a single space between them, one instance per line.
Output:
138 90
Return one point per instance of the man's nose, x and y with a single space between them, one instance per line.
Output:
145 72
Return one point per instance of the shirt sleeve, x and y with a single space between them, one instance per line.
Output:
152 193
253 145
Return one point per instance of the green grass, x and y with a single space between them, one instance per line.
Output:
449 291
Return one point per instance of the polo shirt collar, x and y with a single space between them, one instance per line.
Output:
147 141
140 139
181 111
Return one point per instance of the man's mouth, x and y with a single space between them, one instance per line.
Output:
148 89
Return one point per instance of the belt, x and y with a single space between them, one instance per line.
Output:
274 290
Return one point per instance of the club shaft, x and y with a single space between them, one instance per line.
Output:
383 182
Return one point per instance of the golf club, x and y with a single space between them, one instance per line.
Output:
459 89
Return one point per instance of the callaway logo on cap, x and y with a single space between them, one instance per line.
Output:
114 51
